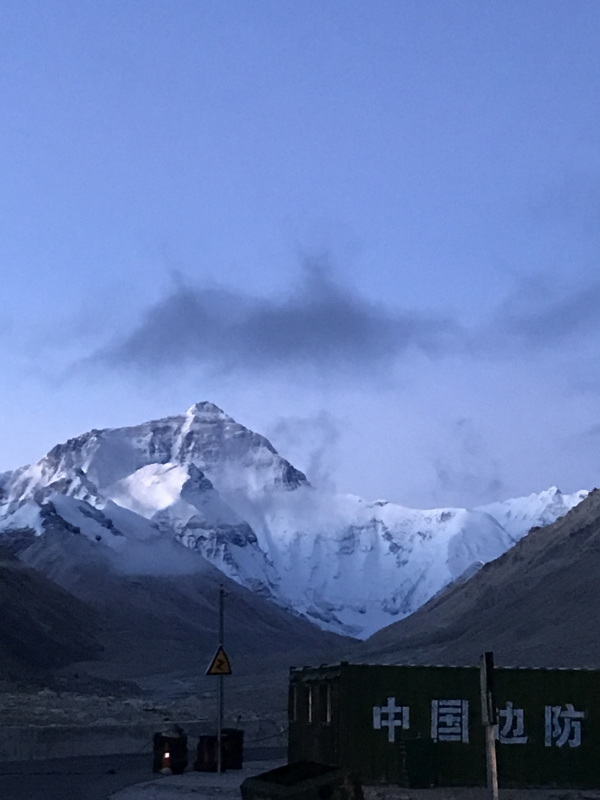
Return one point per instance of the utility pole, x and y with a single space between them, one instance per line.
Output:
220 666
221 679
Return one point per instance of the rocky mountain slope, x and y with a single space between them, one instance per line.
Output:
538 604
200 479
148 622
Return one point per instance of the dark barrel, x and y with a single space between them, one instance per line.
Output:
233 748
206 754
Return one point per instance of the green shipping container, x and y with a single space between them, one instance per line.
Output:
422 726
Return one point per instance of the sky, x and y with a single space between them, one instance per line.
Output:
367 230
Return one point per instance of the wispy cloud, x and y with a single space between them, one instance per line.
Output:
593 432
311 443
548 321
539 317
468 470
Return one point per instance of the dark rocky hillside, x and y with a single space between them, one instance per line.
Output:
162 624
42 626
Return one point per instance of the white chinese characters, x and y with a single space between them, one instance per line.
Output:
450 720
511 726
563 726
391 717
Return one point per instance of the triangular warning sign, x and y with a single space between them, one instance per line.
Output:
220 664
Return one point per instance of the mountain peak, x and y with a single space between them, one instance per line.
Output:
553 491
207 409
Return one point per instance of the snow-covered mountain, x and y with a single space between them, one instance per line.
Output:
202 480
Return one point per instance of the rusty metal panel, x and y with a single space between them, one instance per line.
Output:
314 719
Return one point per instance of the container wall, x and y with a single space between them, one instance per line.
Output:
391 705
397 724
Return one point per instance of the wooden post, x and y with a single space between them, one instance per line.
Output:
489 719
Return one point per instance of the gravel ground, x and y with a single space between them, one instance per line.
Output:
94 778
194 786
49 708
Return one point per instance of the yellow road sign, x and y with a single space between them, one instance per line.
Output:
220 664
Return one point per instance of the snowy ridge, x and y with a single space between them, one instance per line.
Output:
202 480
517 516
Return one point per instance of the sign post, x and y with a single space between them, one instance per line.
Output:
220 666
489 718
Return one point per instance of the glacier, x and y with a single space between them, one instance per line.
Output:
202 484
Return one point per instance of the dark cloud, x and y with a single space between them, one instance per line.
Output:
320 323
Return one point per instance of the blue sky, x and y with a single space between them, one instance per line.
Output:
369 230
